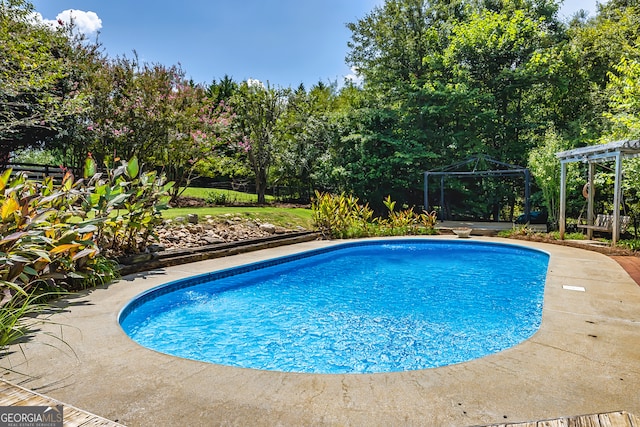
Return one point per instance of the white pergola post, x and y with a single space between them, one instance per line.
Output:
617 198
562 220
590 198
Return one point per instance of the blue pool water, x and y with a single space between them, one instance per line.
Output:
360 307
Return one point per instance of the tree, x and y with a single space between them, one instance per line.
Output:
307 131
496 52
447 80
545 168
388 46
390 142
153 113
131 109
71 141
33 70
223 90
200 127
624 101
592 49
257 110
593 98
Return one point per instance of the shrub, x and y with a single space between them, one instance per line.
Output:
44 243
340 216
217 198
632 244
126 205
52 236
406 221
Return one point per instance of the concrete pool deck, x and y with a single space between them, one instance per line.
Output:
584 359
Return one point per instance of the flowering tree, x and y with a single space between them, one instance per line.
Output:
200 127
131 114
153 113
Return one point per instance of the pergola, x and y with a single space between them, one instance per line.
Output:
472 167
613 151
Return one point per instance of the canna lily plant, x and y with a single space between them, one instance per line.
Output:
127 203
53 236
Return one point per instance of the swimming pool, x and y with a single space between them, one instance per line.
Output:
359 307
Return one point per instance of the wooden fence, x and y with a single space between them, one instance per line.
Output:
36 171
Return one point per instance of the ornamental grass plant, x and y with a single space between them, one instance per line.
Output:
342 217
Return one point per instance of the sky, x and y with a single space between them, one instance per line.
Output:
282 42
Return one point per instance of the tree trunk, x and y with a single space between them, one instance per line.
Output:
261 186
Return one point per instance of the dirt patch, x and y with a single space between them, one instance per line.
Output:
197 202
189 202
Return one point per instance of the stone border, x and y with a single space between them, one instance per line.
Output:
151 261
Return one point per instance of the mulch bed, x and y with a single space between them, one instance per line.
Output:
631 265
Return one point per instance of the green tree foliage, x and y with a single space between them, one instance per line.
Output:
228 161
258 110
223 90
495 53
610 57
307 129
388 46
446 80
624 119
545 168
591 51
624 101
36 92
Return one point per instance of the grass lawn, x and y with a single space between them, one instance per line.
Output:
283 217
223 196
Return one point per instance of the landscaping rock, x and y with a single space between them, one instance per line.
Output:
182 235
269 228
155 248
208 240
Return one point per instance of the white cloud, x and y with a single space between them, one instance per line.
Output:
354 77
86 23
255 83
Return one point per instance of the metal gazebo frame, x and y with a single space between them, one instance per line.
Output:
504 169
613 151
